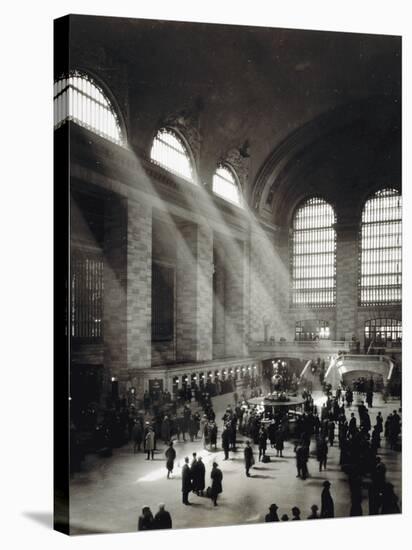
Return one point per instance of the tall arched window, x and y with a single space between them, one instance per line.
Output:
225 185
169 150
78 98
313 254
381 249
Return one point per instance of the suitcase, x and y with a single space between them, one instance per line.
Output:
265 458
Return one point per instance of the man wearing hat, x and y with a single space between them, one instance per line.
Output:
186 481
249 460
272 515
162 519
327 506
216 477
314 514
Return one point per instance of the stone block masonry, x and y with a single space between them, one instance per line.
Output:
194 293
127 283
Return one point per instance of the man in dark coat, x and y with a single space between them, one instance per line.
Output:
327 506
301 461
198 476
186 481
213 434
137 436
352 424
262 443
249 460
226 441
322 452
216 477
272 515
170 459
162 519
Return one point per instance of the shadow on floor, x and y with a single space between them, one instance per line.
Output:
42 518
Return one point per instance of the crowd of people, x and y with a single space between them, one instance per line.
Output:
313 432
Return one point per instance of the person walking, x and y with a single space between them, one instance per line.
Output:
216 477
162 519
186 482
327 506
170 459
249 460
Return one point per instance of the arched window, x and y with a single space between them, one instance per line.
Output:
313 254
382 332
78 98
225 185
169 151
381 249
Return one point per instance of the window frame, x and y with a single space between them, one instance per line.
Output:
293 292
235 183
186 149
373 303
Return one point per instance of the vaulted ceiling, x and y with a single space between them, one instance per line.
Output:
245 85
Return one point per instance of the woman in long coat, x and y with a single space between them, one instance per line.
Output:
216 477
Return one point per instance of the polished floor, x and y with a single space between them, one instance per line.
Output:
107 496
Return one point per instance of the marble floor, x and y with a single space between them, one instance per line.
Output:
108 494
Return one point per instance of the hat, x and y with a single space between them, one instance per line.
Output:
273 507
214 464
326 483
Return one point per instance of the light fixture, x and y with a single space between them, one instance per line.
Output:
113 379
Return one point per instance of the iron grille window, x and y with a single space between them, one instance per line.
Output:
169 151
312 329
163 288
78 98
86 295
225 185
381 331
313 255
381 249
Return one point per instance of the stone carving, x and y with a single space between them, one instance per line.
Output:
239 159
187 122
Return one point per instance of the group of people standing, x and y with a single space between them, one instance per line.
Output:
327 508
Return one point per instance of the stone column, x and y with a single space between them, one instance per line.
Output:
194 293
347 258
127 291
